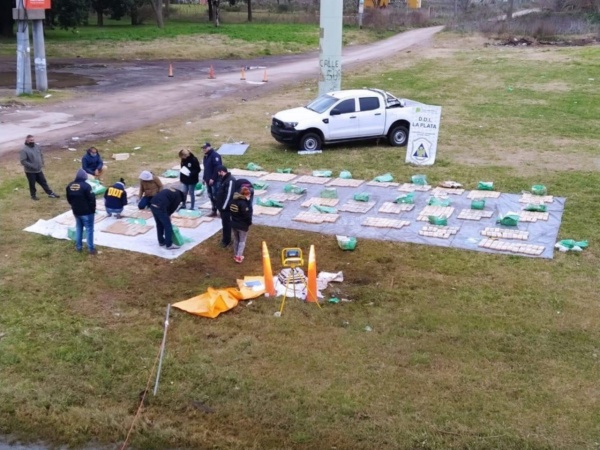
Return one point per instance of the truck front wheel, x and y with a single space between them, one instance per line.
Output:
310 141
398 136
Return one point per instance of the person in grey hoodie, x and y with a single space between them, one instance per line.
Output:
32 161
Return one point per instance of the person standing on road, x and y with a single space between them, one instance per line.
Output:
189 175
211 161
83 204
32 160
241 219
224 198
150 185
92 163
162 206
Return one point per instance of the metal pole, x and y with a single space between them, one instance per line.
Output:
39 56
23 59
162 348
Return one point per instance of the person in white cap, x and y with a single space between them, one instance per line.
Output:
150 185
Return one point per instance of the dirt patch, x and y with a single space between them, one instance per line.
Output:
532 42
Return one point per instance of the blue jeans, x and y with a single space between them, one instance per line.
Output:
114 211
88 223
164 228
144 202
189 188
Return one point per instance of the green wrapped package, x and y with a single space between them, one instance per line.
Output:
539 189
134 221
408 199
485 186
385 178
361 197
536 208
287 170
322 209
438 220
97 187
72 233
421 180
180 239
509 220
321 173
435 201
268 202
571 243
478 203
345 175
346 242
171 173
191 213
199 188
260 185
253 167
293 189
330 192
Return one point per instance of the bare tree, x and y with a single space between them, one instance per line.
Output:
215 11
157 7
249 10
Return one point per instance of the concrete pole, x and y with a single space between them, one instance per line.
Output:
23 58
361 10
330 46
39 55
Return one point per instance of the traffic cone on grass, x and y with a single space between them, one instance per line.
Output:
311 284
211 73
267 272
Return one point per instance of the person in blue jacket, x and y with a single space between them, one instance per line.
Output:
163 204
83 203
115 199
92 163
189 174
210 177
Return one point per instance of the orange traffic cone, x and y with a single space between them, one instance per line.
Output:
243 77
170 70
311 294
267 272
211 73
265 79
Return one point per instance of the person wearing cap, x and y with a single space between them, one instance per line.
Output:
115 199
241 219
32 160
211 161
83 204
163 204
92 163
189 175
150 185
223 201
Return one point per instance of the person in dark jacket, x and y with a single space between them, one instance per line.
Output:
163 204
189 175
83 203
223 201
92 163
242 182
32 161
241 219
115 199
211 161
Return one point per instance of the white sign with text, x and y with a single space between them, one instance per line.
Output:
422 141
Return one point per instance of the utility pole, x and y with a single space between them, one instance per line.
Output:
330 46
25 11
361 10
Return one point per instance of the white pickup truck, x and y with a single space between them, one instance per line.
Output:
345 116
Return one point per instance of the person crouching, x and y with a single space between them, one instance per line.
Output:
165 203
241 219
115 199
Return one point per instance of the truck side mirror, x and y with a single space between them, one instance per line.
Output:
335 112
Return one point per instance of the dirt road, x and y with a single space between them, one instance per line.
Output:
153 97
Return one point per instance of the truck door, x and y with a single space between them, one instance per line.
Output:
343 120
371 116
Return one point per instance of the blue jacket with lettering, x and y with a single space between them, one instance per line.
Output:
115 196
81 198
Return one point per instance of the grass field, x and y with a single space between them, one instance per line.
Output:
467 350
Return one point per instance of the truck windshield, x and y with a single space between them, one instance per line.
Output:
322 103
